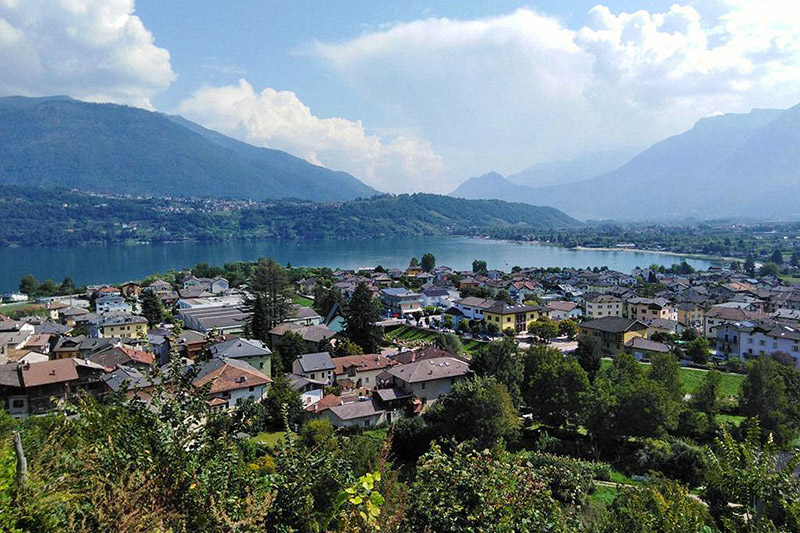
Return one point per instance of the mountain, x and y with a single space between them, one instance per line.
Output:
728 165
733 165
108 148
493 186
30 216
569 171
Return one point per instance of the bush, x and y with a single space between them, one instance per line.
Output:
568 479
675 458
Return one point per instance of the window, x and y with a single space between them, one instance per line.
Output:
313 376
251 389
423 385
18 404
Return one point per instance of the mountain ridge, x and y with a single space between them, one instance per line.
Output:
58 141
737 164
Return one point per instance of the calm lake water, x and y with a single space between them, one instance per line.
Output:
115 264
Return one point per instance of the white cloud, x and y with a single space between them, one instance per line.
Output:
279 120
95 50
504 92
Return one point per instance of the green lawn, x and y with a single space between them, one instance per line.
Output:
20 306
408 333
302 300
735 419
692 377
603 495
271 439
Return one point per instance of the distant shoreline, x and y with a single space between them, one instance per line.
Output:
714 258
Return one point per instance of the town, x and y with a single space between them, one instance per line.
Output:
406 352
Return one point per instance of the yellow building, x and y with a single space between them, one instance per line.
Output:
515 317
122 326
611 332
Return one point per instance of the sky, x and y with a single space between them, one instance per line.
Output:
411 95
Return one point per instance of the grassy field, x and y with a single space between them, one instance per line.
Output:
25 307
692 377
271 439
302 300
408 333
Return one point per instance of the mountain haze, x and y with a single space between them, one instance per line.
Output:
569 171
109 148
745 164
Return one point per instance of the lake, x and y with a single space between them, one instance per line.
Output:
118 263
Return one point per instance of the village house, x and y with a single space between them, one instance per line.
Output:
357 371
232 382
612 333
111 303
648 308
602 305
426 379
719 314
120 325
644 349
515 317
251 351
472 307
31 388
399 300
315 366
311 390
560 310
131 381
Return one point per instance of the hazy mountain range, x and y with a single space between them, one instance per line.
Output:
583 167
109 148
729 165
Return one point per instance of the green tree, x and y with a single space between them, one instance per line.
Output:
152 308
776 257
765 396
736 266
659 506
283 398
478 491
707 396
567 328
554 387
589 356
67 286
414 262
698 350
750 265
479 266
769 270
499 359
479 410
665 370
289 347
360 318
269 281
316 431
428 262
762 485
543 330
450 343
346 347
795 259
28 284
326 298
258 327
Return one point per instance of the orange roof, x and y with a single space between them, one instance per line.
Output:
331 400
363 363
138 355
231 376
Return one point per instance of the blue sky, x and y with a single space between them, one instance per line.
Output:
413 95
